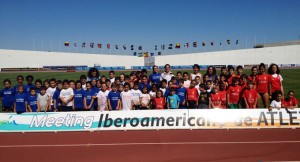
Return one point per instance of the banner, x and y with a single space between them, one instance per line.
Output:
150 120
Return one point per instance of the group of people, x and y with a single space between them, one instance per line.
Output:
140 91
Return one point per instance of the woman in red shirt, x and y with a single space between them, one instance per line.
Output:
262 83
275 80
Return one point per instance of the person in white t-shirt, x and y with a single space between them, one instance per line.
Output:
49 92
66 96
127 98
196 72
167 74
145 99
187 82
137 94
102 98
277 102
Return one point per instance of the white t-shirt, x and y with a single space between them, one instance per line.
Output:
43 101
49 92
194 75
152 94
276 75
136 94
146 99
112 80
163 90
166 76
275 104
103 99
126 100
67 94
83 86
186 84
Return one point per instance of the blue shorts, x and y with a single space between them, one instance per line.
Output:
7 108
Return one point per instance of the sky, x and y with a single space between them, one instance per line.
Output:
46 25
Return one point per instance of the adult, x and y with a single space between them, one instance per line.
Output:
167 74
93 74
212 74
196 72
154 78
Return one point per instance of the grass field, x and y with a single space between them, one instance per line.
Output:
291 77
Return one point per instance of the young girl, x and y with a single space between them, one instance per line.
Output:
93 74
42 100
46 84
251 77
7 96
277 102
50 92
196 72
215 99
108 83
187 82
20 79
159 100
192 96
29 79
78 97
152 94
250 96
66 96
114 98
32 100
262 83
145 99
88 98
102 98
20 102
127 100
290 101
120 88
275 80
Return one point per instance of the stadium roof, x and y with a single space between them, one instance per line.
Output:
289 43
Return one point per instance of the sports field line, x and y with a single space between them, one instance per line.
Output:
150 143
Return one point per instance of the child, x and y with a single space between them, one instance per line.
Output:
181 92
72 84
250 96
144 83
122 78
7 96
93 74
262 83
108 83
163 86
20 79
83 80
179 75
89 96
192 96
222 93
203 97
114 98
145 99
198 82
209 84
131 85
196 72
234 94
154 78
56 98
173 100
231 74
66 96
277 102
159 100
50 92
223 70
290 101
137 94
46 83
32 100
102 98
187 82
38 85
42 100
275 80
112 76
29 79
103 79
127 98
167 92
239 70
152 94
120 88
243 81
20 102
78 97
251 77
215 100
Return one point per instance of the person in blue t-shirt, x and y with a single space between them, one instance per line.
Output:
32 100
144 83
20 79
38 85
20 102
78 96
173 100
114 98
181 92
154 78
89 96
29 79
56 99
96 90
7 96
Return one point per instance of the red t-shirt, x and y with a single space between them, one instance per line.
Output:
223 99
215 99
275 83
250 95
159 103
192 94
262 83
234 94
289 102
229 80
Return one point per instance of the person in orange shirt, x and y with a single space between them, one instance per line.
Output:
234 94
222 93
290 102
250 96
262 83
159 101
275 80
230 74
215 100
192 96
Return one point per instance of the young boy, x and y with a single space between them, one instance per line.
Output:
89 96
277 102
137 94
222 93
102 98
32 100
215 99
114 98
203 97
78 97
250 96
181 92
127 98
192 96
163 86
144 83
83 80
173 100
112 76
50 92
38 85
7 95
20 79
66 96
187 82
29 79
56 98
234 94
42 100
20 102
231 74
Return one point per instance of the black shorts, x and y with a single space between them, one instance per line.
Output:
7 108
66 108
78 109
192 105
20 112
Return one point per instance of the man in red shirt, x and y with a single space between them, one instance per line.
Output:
192 96
234 94
290 102
250 96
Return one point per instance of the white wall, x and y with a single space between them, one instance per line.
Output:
278 55
18 58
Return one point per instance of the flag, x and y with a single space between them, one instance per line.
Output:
151 54
195 44
203 44
83 45
140 54
116 46
75 44
134 53
67 44
177 45
140 48
170 46
124 47
237 41
99 45
186 45
132 47
163 47
155 47
108 46
228 41
159 53
92 45
146 54
212 43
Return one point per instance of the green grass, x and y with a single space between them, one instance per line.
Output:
291 77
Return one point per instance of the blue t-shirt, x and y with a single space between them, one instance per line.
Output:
37 90
154 78
96 91
142 85
20 100
167 92
173 101
181 92
27 88
88 94
114 98
32 102
7 95
56 97
78 98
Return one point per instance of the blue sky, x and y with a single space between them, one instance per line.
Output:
33 24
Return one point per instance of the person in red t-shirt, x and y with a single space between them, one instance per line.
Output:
250 96
290 101
192 96
230 74
262 83
222 93
214 98
251 77
275 80
159 100
234 94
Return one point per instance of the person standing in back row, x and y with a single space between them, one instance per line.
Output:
167 74
262 83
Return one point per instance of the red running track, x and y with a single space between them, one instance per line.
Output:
162 145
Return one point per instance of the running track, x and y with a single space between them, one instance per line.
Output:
162 145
